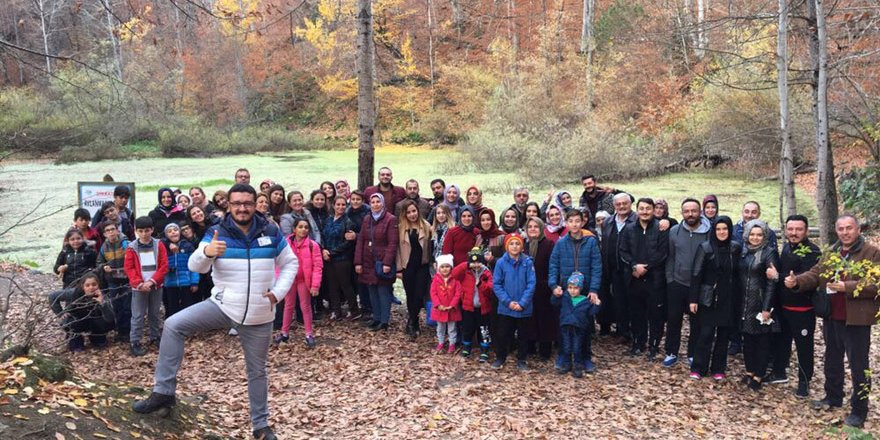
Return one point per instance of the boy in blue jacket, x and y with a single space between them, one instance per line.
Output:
514 284
575 318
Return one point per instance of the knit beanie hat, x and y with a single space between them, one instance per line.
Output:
476 256
171 226
511 237
444 260
576 279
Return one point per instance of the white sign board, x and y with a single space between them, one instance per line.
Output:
91 195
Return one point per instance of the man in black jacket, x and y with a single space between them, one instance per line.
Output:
617 272
799 255
643 251
594 198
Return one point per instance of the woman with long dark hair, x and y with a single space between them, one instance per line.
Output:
84 310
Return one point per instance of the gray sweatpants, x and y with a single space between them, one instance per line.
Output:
204 316
145 304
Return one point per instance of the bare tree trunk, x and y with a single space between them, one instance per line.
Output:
430 6
701 36
114 41
786 163
44 30
826 187
366 104
457 19
587 51
511 26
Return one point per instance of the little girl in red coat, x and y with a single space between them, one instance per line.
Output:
446 299
476 302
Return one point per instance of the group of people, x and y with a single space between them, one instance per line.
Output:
535 278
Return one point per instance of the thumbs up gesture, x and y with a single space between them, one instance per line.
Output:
772 274
790 280
217 247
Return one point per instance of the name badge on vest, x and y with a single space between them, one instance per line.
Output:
264 241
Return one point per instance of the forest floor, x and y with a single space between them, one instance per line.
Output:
359 384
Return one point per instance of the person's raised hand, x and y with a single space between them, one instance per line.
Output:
216 247
791 280
771 272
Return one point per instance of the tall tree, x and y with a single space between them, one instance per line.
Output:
786 163
366 101
826 186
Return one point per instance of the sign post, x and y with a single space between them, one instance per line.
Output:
91 195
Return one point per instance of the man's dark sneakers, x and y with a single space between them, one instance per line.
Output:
137 349
652 354
826 404
803 390
775 378
264 434
153 403
854 420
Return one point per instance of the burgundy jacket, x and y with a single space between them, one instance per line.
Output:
397 194
380 245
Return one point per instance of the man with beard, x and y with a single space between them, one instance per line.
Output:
412 193
520 200
392 194
595 199
684 240
438 186
243 250
797 314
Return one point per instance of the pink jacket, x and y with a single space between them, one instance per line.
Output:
311 263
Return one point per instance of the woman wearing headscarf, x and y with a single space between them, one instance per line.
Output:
559 199
413 258
545 317
710 208
165 212
374 259
661 212
265 185
462 238
713 298
758 297
490 239
452 200
343 188
510 222
555 226
474 198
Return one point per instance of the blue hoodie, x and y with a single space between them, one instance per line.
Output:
179 274
514 280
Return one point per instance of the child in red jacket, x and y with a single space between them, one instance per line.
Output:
476 302
146 263
445 297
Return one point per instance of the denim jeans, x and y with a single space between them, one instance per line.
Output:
380 300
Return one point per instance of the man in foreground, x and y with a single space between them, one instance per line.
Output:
243 251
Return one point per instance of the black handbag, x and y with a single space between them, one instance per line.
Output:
707 295
821 303
378 265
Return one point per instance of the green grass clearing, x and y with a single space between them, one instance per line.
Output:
40 241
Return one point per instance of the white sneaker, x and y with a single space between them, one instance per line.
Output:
233 332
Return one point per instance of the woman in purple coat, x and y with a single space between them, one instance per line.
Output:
374 259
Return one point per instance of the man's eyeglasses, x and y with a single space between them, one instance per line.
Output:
242 204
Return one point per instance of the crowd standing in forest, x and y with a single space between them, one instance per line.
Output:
534 278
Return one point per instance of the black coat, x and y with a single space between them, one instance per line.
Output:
790 261
758 293
724 277
649 246
78 263
611 242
